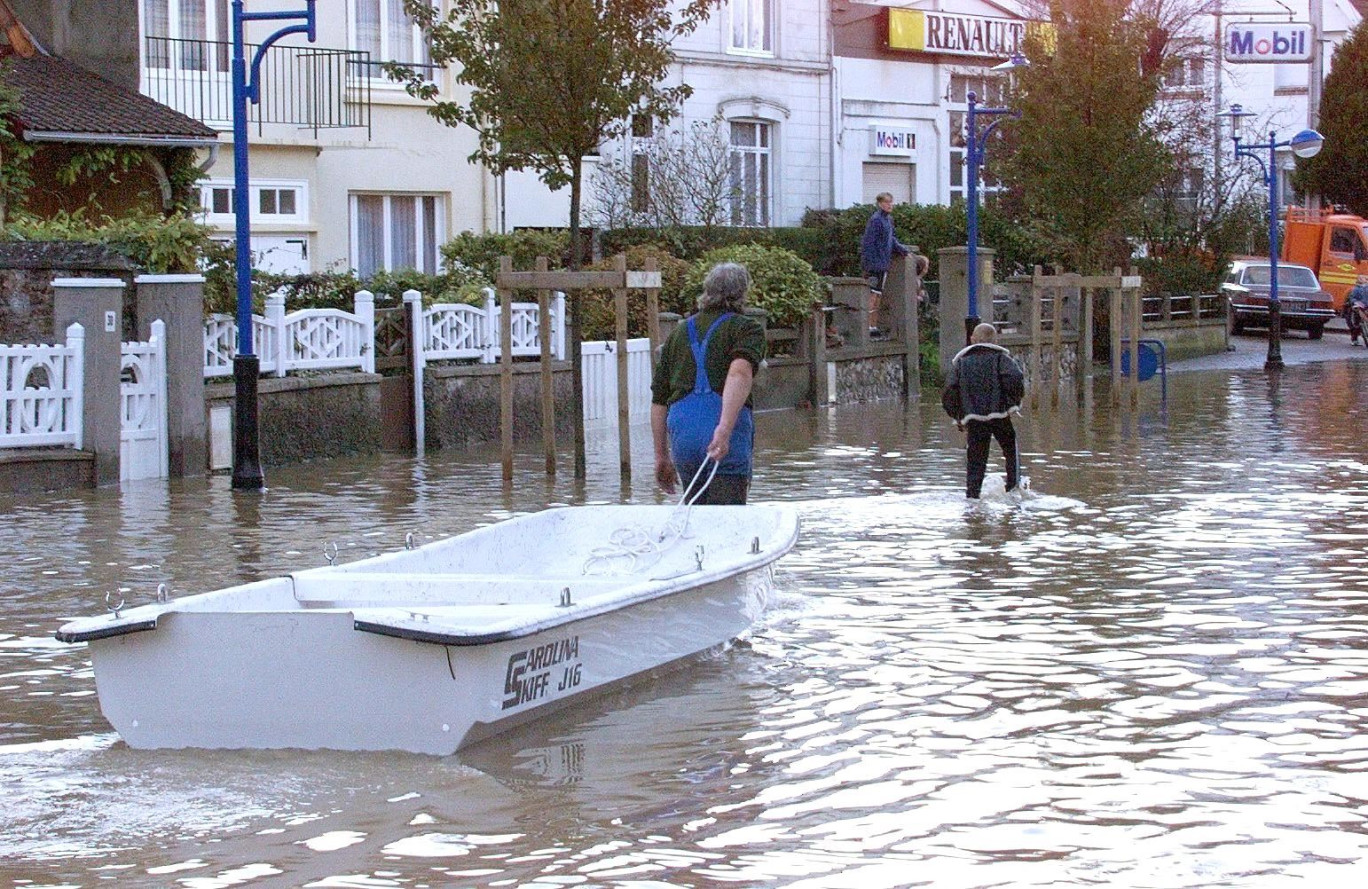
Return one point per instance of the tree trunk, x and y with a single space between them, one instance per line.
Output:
576 369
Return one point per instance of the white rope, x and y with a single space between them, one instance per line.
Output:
634 548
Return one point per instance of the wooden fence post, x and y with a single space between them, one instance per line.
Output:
1137 310
653 311
624 402
548 391
506 370
1037 297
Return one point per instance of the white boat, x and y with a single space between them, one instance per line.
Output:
433 648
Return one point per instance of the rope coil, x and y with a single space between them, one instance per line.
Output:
634 548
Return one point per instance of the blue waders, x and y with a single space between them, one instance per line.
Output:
693 419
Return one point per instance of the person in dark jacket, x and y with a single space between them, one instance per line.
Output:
877 249
983 390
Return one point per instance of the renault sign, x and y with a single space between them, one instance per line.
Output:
1248 42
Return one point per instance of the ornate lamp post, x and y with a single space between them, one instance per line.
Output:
246 364
976 145
1306 143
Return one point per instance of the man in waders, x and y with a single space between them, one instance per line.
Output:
700 394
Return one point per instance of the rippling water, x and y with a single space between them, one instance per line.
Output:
1152 670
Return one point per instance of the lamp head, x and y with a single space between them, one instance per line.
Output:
1307 143
1017 60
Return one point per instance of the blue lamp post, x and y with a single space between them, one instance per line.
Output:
976 145
246 364
1306 143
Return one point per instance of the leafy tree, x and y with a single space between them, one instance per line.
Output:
1339 174
1086 150
552 80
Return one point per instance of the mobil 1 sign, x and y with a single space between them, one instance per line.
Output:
1248 42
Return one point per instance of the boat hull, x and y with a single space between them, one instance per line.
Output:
315 679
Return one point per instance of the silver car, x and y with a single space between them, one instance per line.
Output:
1302 304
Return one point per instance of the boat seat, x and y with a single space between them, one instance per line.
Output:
384 589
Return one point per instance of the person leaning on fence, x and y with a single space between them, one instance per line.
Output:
701 393
983 390
877 249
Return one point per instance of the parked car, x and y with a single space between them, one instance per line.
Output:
1303 304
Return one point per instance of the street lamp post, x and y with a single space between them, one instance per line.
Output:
976 145
1306 143
246 364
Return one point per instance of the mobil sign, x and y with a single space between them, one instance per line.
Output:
1283 42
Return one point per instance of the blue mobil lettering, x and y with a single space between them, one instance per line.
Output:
529 673
895 141
1267 43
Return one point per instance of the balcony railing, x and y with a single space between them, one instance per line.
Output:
307 87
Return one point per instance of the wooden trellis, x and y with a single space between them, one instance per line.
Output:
619 280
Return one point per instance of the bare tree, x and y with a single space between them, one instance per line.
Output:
670 179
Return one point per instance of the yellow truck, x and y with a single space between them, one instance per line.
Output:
1333 243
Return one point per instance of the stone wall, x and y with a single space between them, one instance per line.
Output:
27 270
463 404
305 418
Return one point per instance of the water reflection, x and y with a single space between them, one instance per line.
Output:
1150 670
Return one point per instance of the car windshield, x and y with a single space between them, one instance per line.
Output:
1288 276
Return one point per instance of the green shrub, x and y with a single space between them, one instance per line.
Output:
158 244
480 253
597 312
782 284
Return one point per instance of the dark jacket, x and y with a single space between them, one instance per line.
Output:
985 383
879 244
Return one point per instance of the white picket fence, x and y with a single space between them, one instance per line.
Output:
457 330
43 392
599 360
308 339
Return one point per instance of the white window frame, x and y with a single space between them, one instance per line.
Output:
207 187
988 89
420 232
764 156
742 14
1188 75
417 51
213 24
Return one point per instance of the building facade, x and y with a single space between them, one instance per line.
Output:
347 171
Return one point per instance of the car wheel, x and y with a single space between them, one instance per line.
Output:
1315 331
1236 325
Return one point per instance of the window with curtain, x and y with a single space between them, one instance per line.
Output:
751 173
392 232
192 32
752 25
383 29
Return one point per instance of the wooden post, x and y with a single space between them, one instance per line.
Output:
1057 341
624 401
1137 311
653 311
506 370
1037 297
548 389
1114 325
1085 335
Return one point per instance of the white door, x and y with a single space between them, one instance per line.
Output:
142 390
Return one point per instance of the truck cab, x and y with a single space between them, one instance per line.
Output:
1334 244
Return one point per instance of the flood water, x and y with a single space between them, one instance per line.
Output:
1150 671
